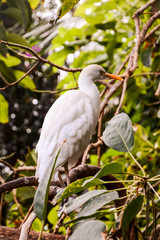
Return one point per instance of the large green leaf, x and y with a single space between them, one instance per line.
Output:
34 3
3 36
10 61
6 72
12 3
75 187
156 64
3 110
66 7
89 230
118 133
82 184
97 202
77 202
26 11
41 195
16 38
13 12
27 82
146 57
108 169
106 25
131 211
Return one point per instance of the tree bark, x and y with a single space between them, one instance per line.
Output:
14 233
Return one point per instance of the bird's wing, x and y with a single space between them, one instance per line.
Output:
70 119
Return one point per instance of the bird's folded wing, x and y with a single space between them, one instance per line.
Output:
70 121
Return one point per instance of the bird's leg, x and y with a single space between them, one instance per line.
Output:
67 173
61 180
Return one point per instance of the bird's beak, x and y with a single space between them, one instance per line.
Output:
113 76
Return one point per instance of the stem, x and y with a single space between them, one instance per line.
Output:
41 232
153 190
144 174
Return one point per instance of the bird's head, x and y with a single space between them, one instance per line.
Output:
95 72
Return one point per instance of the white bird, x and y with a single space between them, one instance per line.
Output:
71 120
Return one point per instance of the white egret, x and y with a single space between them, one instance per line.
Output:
72 119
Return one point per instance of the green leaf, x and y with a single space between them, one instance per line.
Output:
16 38
36 225
27 82
10 61
131 211
146 57
25 193
3 110
110 49
96 215
6 72
60 57
77 202
75 187
98 59
106 25
26 11
34 3
156 64
52 215
13 12
89 230
119 134
66 7
108 169
3 49
41 195
97 202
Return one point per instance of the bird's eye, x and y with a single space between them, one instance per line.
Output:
102 72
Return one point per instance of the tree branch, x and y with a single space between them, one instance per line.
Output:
20 79
38 57
13 234
149 24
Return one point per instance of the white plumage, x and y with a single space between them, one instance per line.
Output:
72 118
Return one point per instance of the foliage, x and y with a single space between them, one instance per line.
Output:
101 32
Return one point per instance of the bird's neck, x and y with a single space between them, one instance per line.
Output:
93 93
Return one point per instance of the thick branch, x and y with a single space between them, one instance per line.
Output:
13 234
76 173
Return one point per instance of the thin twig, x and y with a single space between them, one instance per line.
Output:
56 91
17 203
27 215
109 94
99 134
7 164
146 74
149 24
151 32
153 190
41 59
89 147
59 223
20 79
25 168
145 6
1 201
122 96
157 93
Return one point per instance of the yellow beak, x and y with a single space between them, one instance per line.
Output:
113 76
